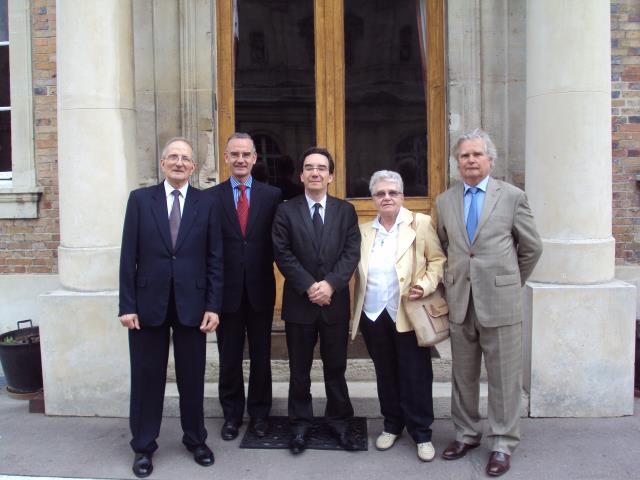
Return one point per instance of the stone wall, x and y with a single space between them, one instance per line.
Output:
625 76
31 245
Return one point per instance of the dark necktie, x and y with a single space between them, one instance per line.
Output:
317 221
174 217
472 218
243 208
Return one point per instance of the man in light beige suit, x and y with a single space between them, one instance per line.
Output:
489 234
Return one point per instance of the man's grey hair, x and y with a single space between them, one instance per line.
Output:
241 135
388 176
489 147
174 140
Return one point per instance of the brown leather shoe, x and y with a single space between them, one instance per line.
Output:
498 464
456 450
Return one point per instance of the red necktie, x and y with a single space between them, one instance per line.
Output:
243 208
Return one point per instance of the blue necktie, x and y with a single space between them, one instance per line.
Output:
472 217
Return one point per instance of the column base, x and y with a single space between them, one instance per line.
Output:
85 354
579 349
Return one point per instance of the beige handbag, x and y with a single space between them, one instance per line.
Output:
429 316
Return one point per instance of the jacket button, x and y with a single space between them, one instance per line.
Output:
468 279
173 257
402 279
472 255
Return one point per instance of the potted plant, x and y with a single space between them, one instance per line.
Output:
20 358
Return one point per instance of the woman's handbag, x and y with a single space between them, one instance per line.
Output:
429 316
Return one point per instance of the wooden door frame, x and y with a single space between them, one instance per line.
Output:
330 114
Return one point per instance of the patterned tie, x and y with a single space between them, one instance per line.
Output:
243 208
317 221
174 217
472 218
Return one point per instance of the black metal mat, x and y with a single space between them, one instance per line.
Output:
318 436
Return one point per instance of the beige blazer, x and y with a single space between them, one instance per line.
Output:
496 264
431 260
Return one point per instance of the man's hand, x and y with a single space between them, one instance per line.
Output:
320 293
415 292
210 322
130 320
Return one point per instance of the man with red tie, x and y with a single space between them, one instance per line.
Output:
248 207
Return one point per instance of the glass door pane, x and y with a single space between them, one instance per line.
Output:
385 106
275 85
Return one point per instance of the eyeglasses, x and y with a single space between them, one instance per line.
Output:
319 168
175 158
238 155
380 194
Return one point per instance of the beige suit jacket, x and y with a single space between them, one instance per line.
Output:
503 254
431 260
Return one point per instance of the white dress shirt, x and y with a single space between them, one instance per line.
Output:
383 288
311 203
168 189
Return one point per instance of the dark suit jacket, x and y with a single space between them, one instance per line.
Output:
149 265
248 261
303 261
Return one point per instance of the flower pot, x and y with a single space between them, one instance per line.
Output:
20 358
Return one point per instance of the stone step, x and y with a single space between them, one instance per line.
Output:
358 369
364 398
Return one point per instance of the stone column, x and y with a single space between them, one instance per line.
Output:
580 320
84 349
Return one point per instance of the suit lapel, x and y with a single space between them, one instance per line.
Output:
255 205
458 208
305 215
330 213
406 234
161 214
494 190
189 214
368 236
229 207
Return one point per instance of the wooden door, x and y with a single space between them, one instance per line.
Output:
365 79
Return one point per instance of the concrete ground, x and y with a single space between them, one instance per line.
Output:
34 445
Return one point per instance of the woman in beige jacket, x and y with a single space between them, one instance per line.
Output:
384 276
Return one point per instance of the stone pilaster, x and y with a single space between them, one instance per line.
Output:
580 322
84 349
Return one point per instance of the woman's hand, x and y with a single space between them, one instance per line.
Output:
415 292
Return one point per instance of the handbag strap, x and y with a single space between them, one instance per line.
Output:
414 226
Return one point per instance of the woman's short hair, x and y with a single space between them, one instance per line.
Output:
388 176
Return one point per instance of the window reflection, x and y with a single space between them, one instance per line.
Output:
385 108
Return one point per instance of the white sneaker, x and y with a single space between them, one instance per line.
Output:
426 452
386 440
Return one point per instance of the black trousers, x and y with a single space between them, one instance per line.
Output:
301 340
256 326
149 354
404 377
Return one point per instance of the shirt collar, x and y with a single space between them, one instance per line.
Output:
235 182
168 189
311 202
399 219
481 186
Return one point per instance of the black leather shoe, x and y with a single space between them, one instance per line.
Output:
229 430
297 444
457 449
259 427
202 455
142 465
498 464
346 441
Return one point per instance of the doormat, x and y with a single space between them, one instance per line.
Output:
318 436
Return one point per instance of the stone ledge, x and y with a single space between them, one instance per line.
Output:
19 202
364 397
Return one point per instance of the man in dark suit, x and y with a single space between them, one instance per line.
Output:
316 243
488 232
248 207
170 281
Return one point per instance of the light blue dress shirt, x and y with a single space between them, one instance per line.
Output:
236 191
482 190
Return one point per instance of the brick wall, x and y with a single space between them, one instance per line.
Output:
31 245
625 76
